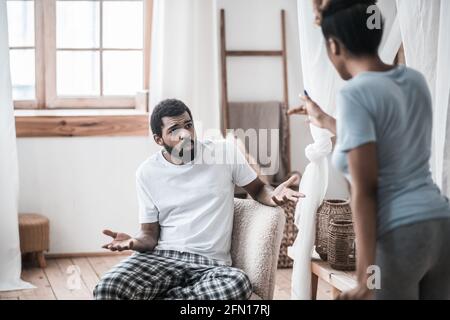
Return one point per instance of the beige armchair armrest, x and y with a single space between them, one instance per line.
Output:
256 240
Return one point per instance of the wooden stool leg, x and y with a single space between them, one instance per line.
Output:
41 259
33 259
26 259
314 284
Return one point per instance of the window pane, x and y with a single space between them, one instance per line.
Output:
21 23
123 24
78 73
77 24
122 72
22 74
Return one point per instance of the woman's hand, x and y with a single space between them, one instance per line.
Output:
316 115
361 292
318 6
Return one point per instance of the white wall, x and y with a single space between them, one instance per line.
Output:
84 185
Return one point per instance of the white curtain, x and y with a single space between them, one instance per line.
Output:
185 58
392 37
425 30
443 93
10 257
322 83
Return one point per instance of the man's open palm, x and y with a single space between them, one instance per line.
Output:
120 242
283 193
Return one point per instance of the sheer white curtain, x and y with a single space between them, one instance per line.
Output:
426 39
185 59
322 83
443 92
392 37
425 32
10 258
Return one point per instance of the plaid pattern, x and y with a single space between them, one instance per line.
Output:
172 275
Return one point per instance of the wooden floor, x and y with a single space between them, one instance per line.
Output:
59 280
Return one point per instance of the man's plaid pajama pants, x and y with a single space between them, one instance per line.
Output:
170 274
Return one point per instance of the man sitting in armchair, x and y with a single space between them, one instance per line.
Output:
185 193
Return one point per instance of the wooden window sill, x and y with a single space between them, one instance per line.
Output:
81 123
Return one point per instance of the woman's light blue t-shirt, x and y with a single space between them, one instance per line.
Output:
394 110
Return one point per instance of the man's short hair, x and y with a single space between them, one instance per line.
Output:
166 108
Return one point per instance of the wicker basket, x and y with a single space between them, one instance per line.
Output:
321 234
290 232
329 210
341 245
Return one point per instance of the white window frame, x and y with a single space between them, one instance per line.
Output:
45 57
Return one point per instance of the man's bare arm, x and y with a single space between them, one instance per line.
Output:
147 238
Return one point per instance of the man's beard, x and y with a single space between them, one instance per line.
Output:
180 153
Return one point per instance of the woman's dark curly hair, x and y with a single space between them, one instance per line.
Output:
346 21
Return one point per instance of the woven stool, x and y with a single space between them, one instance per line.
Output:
34 235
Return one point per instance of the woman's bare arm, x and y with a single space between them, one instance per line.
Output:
363 166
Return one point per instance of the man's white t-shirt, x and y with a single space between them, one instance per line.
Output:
193 203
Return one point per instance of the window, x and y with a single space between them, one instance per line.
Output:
22 42
79 54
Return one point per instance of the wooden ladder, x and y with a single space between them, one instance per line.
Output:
225 53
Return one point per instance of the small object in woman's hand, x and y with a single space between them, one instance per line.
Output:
306 93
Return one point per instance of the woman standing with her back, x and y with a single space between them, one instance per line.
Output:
383 130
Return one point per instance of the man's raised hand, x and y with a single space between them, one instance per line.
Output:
283 194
